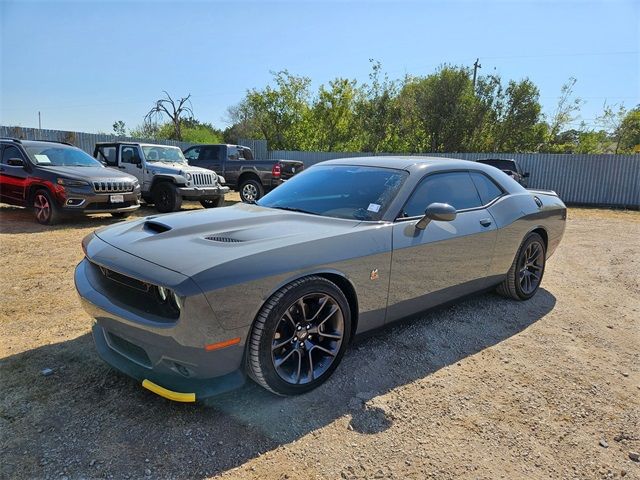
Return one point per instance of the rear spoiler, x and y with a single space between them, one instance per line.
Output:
543 192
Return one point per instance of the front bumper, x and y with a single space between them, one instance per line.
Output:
202 193
170 354
81 202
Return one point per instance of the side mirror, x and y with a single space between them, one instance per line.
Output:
442 212
525 175
15 162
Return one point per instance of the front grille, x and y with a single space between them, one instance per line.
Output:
129 350
113 186
202 179
133 294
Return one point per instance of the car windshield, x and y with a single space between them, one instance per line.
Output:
501 164
340 191
154 153
60 156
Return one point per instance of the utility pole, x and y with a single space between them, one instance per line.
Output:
39 121
476 66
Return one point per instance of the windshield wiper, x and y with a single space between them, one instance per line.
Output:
292 209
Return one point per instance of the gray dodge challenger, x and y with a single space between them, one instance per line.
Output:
191 303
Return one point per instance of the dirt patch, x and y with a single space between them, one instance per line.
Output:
488 388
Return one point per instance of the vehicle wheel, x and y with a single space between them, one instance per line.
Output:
45 208
213 203
526 271
166 197
120 214
299 337
251 190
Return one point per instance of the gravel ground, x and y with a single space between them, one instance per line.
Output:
489 388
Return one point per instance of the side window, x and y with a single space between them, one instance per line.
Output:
11 152
487 188
107 155
192 154
210 154
455 188
129 155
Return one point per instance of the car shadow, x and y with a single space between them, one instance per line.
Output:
86 420
22 220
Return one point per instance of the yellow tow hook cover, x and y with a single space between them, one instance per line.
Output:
168 394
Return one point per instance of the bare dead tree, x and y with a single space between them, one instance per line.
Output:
176 110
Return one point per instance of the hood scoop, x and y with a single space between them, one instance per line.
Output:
220 239
156 227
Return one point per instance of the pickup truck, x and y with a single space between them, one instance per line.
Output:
252 178
510 167
164 174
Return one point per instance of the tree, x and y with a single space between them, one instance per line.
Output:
119 128
177 111
622 125
332 125
566 110
629 132
376 111
519 128
278 113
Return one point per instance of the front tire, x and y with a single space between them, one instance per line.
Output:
213 203
251 190
299 337
120 214
45 208
166 198
525 275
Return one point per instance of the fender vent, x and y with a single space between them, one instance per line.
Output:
224 239
156 227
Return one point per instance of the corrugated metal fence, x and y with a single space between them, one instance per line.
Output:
605 180
612 180
86 141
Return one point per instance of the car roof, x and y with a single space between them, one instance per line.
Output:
409 163
40 143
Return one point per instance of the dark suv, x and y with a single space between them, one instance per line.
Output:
56 178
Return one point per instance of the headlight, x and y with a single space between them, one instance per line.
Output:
189 176
221 180
67 182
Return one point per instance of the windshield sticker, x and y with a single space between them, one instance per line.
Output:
42 159
374 207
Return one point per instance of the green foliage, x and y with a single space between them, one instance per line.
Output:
119 128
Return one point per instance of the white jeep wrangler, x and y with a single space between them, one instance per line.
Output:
165 176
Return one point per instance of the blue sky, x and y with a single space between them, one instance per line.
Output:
86 64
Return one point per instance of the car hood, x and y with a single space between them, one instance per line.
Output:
88 174
175 168
191 242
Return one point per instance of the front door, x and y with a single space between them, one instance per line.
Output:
131 162
446 260
13 179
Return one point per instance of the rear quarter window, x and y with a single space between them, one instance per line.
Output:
487 189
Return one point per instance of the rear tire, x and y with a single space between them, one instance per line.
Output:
525 275
166 198
284 337
213 203
45 208
251 190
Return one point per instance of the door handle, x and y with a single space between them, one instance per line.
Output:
485 222
121 167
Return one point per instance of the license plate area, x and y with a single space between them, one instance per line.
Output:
116 198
